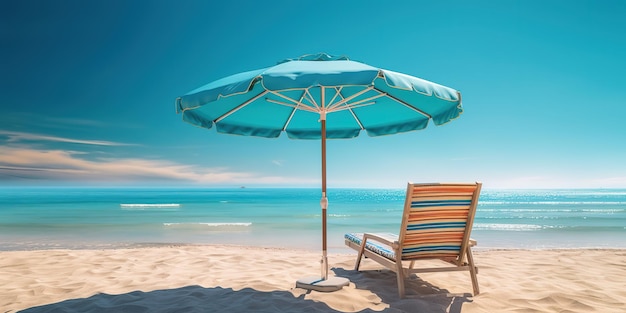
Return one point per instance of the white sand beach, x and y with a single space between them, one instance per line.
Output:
250 279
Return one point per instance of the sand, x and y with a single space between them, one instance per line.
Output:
247 279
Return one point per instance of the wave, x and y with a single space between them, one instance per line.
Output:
209 226
487 202
318 216
534 227
509 227
557 192
575 210
149 205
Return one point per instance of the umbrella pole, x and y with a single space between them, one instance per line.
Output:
324 201
324 283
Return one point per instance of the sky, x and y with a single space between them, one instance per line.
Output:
87 91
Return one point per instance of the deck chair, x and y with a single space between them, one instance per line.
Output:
436 224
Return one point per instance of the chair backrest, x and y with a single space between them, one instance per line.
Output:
437 220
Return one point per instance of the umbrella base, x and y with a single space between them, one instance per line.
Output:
318 284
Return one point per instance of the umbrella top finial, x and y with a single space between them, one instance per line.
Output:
317 57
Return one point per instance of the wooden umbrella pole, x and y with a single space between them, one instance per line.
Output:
325 283
324 202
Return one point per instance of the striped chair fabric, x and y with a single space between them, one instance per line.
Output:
436 221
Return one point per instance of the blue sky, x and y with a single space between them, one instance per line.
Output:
88 89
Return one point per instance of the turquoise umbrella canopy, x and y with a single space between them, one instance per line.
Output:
319 96
290 96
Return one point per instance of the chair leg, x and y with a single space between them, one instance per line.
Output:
358 262
473 271
360 255
400 277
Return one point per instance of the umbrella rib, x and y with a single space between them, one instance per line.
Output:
292 113
358 104
344 100
405 104
356 119
282 96
312 100
350 107
225 115
337 94
298 105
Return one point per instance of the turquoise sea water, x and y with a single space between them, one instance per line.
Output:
44 218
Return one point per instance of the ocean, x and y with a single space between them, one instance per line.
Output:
99 218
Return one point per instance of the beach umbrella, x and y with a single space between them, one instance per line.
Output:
319 96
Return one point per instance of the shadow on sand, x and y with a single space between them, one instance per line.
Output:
422 297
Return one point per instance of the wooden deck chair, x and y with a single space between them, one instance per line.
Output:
436 224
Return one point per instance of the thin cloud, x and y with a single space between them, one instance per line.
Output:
74 121
14 137
50 122
66 166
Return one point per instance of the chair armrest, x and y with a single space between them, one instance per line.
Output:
381 239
